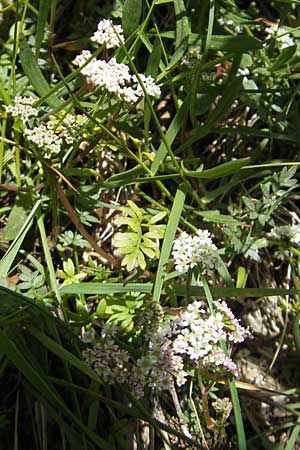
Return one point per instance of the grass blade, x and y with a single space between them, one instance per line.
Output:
169 238
44 8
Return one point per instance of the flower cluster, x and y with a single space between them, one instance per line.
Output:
110 75
198 250
199 333
22 108
106 357
115 78
108 34
44 137
290 232
191 58
283 38
191 340
158 368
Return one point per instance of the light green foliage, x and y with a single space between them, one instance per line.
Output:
68 273
142 237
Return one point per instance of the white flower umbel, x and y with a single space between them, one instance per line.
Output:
44 138
198 335
283 38
198 250
115 78
22 108
108 34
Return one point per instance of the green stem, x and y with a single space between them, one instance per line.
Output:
3 132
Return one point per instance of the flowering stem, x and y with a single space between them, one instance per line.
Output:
188 286
179 412
208 295
197 417
3 132
208 419
231 383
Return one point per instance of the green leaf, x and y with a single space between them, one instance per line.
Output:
182 32
130 261
283 58
105 288
17 216
44 8
169 238
131 16
220 171
8 259
215 216
34 73
141 260
123 239
178 289
134 224
135 208
225 43
148 251
158 217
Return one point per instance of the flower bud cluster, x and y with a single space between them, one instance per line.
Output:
106 358
22 108
229 23
223 406
198 250
148 318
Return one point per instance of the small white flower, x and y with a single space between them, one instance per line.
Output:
244 72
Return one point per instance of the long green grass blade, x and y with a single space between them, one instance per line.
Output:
64 354
182 32
178 289
44 8
169 238
131 16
